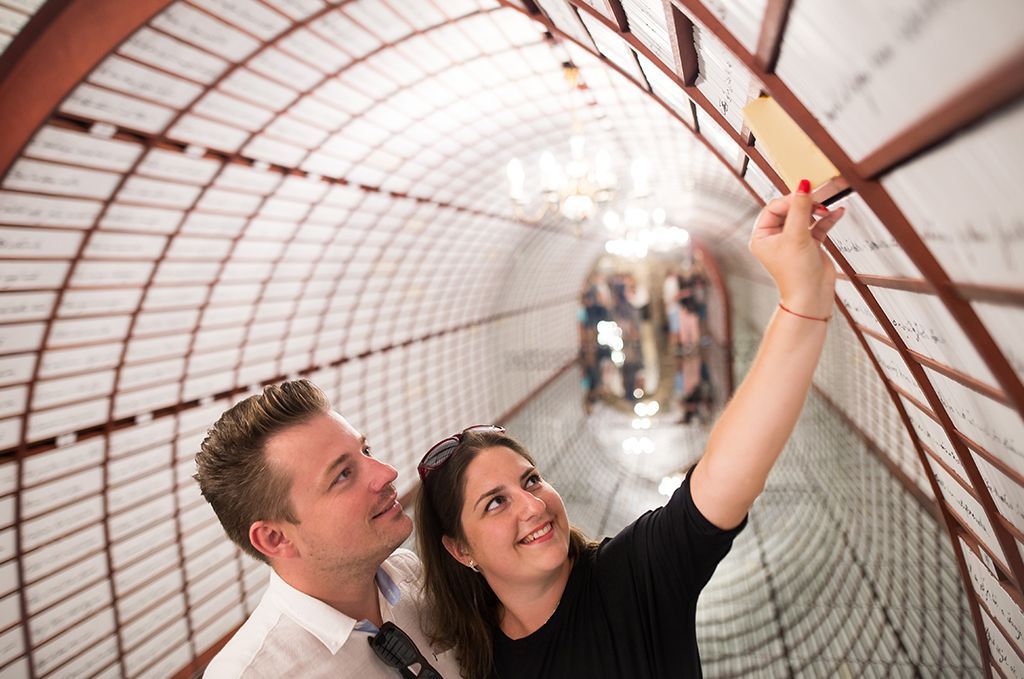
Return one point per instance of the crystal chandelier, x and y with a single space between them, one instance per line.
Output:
639 231
575 189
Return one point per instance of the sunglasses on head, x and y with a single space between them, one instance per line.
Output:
397 650
441 451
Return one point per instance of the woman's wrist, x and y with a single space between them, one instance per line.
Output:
811 297
823 319
819 309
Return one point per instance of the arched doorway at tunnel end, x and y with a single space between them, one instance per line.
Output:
655 335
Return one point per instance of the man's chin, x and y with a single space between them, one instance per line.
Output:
402 526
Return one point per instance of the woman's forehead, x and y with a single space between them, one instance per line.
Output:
493 461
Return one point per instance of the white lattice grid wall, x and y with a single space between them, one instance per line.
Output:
845 373
831 507
691 184
405 398
167 549
14 14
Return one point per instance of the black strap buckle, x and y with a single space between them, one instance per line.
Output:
396 649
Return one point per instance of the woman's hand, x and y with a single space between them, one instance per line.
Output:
786 242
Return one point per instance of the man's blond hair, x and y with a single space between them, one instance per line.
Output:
233 472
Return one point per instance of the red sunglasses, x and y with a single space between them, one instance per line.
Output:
441 451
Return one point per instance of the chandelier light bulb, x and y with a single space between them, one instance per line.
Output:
612 221
550 172
626 247
516 180
636 217
577 207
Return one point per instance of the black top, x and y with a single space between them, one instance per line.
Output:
629 607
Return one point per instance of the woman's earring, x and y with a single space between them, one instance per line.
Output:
473 566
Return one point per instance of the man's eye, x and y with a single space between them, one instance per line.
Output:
495 502
344 474
367 451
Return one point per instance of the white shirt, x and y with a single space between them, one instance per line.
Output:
669 292
640 297
291 634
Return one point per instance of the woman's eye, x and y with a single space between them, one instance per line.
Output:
495 502
533 480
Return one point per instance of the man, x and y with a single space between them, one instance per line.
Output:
295 486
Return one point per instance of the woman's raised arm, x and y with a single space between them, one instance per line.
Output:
755 425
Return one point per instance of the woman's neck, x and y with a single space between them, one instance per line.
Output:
525 608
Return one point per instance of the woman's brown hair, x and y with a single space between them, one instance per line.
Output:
460 609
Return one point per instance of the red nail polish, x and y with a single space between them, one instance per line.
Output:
804 187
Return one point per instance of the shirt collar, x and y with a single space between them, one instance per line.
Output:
387 586
329 625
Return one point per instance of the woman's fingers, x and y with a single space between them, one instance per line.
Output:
779 207
778 212
767 231
799 215
821 228
772 215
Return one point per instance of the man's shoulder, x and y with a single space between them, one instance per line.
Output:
403 566
235 660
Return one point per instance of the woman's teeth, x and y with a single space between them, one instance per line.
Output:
537 534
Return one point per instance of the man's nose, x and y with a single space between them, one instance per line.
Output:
382 475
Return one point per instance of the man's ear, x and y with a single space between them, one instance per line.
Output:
458 551
269 540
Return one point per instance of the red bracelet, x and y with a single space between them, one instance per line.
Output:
810 318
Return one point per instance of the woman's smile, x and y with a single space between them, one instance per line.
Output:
542 534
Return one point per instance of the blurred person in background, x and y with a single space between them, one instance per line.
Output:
688 351
588 316
628 319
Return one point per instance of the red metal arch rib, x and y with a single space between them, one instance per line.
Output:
55 52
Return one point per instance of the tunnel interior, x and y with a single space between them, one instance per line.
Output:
201 197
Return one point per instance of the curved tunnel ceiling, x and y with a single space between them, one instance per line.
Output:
201 196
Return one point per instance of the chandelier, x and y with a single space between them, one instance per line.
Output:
639 231
577 188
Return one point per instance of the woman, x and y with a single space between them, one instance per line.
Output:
518 592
